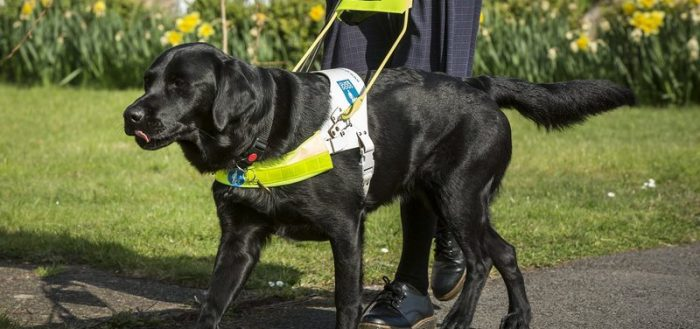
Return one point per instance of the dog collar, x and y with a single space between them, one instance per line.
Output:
252 154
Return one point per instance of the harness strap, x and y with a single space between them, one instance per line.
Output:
341 133
306 161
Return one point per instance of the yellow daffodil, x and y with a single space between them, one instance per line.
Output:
205 31
99 8
648 22
46 3
259 18
188 23
173 37
628 7
316 13
582 43
481 18
27 9
647 4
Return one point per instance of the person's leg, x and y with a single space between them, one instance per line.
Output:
442 37
405 303
460 26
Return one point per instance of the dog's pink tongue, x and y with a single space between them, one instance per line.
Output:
142 135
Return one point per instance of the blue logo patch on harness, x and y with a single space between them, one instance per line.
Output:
348 90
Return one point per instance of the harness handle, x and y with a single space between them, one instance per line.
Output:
387 6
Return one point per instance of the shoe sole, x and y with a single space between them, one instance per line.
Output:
453 293
427 323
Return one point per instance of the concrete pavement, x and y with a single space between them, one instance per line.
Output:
657 289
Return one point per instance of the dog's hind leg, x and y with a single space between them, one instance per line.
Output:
503 256
463 204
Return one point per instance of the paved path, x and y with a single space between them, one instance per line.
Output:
657 289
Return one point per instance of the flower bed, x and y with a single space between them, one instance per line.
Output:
650 45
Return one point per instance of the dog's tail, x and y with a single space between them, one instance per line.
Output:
555 105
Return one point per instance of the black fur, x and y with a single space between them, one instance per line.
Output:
442 145
555 105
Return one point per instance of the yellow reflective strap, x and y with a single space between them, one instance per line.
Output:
271 176
308 160
382 6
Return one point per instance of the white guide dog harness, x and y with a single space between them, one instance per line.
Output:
313 156
342 135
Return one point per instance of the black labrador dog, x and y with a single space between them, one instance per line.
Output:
442 145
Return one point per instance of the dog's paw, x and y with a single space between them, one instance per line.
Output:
515 320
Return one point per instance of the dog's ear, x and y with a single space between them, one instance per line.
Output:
234 92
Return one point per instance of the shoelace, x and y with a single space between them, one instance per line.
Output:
392 295
443 244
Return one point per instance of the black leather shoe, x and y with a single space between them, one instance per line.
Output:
448 268
399 306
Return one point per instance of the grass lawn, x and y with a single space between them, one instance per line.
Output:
75 189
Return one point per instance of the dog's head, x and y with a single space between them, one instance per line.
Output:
191 92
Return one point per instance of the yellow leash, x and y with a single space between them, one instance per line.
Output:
356 105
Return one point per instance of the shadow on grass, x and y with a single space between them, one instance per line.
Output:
190 271
83 288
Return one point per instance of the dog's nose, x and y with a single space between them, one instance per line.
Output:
134 114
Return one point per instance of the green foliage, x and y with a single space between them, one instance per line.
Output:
75 189
274 35
72 45
518 38
537 43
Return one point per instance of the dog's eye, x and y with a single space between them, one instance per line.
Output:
179 84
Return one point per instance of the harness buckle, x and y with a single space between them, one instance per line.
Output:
366 158
338 128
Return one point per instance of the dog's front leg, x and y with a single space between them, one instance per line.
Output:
347 258
242 237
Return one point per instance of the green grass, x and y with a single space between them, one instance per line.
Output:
6 323
75 189
49 270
